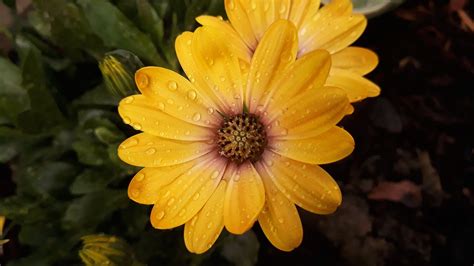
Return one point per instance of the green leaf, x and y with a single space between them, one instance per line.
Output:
241 250
89 210
90 153
13 98
117 31
150 21
91 181
12 142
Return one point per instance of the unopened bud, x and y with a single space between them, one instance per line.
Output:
106 250
118 70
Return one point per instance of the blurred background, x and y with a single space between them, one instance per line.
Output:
408 188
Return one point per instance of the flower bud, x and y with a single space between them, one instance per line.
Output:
118 69
106 250
2 241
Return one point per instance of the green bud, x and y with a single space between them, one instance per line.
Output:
2 241
118 69
106 250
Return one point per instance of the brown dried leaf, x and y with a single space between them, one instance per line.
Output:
405 192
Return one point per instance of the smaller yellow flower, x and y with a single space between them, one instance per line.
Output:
2 224
106 250
118 68
333 28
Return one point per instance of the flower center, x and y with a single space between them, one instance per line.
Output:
242 137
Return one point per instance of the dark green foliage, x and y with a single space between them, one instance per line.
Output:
59 129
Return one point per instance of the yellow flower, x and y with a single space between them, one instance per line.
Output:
106 250
333 27
229 146
2 224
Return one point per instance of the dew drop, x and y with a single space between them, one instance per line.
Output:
196 117
209 225
170 201
182 212
172 85
139 177
210 110
215 174
161 106
127 120
167 194
196 196
142 80
231 5
170 101
135 192
160 215
192 94
129 99
137 126
150 151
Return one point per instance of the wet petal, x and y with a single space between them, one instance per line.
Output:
233 38
279 218
179 201
176 96
151 151
330 146
355 59
204 228
307 185
146 114
220 66
309 114
244 199
307 73
237 14
274 55
146 184
335 35
356 87
302 11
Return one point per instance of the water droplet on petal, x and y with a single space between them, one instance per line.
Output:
210 110
135 192
196 196
139 177
209 225
127 120
192 94
182 212
231 5
171 201
129 99
142 80
172 85
137 126
150 151
160 215
196 117
161 106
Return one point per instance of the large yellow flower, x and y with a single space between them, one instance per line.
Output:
229 147
333 27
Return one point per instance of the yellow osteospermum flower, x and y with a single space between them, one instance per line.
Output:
227 148
333 27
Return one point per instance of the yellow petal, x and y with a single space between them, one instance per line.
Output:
355 59
2 223
302 11
275 53
204 228
307 185
148 115
176 96
337 8
279 219
309 114
334 34
356 86
244 199
151 151
179 201
237 14
233 38
183 46
330 146
307 73
146 184
220 66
